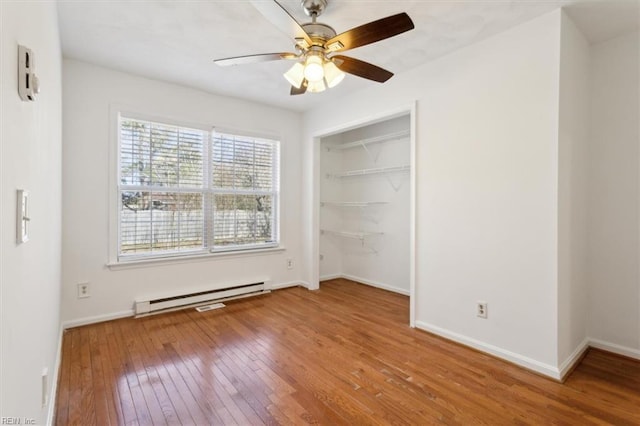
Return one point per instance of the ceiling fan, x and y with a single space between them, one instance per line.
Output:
318 64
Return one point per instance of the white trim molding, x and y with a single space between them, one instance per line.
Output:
53 395
98 318
331 277
314 245
574 359
557 373
377 284
178 259
367 282
289 284
306 285
514 358
615 348
129 313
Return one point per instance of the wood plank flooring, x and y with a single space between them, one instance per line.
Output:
341 355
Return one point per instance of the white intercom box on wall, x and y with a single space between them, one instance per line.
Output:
28 83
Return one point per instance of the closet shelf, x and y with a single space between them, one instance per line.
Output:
376 139
352 203
347 234
373 171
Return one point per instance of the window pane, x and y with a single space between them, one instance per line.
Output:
243 163
164 155
135 153
245 219
224 228
244 172
242 219
243 160
152 222
222 163
190 157
135 222
160 155
264 219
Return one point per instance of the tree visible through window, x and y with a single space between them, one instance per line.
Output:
187 190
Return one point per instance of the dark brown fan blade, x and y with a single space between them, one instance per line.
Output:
371 32
301 90
278 16
361 68
251 59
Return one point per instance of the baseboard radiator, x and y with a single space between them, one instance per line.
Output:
181 301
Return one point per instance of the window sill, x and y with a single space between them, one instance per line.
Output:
172 260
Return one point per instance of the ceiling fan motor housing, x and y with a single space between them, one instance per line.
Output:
319 32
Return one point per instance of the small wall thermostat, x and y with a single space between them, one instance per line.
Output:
22 217
28 83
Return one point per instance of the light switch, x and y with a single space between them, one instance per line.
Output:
22 219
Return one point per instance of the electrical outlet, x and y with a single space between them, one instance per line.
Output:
289 263
481 309
84 290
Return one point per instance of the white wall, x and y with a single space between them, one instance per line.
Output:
613 253
31 160
572 192
487 196
89 91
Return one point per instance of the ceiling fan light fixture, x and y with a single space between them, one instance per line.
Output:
332 74
313 69
316 86
295 75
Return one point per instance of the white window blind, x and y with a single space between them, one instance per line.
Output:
245 185
185 190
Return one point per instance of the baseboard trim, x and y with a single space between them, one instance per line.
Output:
574 359
614 348
331 277
287 285
305 285
377 284
53 395
367 282
512 357
98 318
129 313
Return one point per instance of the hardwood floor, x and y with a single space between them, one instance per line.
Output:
340 355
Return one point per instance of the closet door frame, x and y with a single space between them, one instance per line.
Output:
410 110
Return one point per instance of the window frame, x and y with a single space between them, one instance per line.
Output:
116 258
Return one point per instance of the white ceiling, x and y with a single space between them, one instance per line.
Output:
176 41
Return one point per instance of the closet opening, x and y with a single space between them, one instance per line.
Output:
365 207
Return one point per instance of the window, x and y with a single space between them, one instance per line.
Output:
185 190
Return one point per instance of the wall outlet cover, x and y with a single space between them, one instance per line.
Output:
84 290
